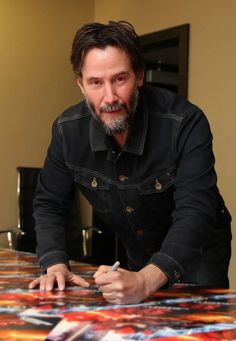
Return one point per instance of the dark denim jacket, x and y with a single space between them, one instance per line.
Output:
158 194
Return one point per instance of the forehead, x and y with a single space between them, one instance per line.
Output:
109 59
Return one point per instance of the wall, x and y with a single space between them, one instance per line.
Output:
36 83
212 68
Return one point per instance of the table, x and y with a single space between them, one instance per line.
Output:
182 313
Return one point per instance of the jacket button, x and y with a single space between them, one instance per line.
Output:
122 178
177 275
129 209
94 183
158 185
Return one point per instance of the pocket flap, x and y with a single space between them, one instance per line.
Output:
91 180
157 183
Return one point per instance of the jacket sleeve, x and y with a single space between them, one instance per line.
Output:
53 195
195 198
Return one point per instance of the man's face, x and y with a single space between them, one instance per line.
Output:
110 87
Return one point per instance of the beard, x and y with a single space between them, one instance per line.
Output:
115 123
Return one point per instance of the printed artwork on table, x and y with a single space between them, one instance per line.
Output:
180 313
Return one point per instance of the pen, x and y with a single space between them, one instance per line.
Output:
115 266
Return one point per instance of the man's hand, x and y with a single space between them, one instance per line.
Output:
127 287
60 275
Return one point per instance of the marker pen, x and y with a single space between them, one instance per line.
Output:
115 266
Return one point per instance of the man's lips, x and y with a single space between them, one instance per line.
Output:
113 109
113 112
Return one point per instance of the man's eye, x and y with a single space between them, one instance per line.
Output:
120 79
95 83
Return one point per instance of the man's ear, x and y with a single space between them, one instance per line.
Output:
140 78
79 82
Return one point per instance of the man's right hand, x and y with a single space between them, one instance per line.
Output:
60 275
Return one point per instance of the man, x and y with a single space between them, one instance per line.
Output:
143 158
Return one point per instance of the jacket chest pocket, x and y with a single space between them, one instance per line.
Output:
96 190
157 191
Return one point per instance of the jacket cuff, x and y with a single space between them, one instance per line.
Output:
169 266
52 258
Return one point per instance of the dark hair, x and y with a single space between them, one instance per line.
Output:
95 35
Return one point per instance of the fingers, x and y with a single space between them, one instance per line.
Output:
48 281
111 286
108 278
106 288
112 298
34 283
109 294
58 278
106 268
77 280
102 269
112 295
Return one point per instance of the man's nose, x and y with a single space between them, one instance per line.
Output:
110 94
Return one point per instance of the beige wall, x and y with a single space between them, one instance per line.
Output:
36 81
212 68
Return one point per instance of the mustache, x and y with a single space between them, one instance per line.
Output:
112 107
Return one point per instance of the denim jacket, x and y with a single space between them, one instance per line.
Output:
158 194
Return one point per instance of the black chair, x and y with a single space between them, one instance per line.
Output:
22 236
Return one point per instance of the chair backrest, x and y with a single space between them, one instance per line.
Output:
27 178
26 184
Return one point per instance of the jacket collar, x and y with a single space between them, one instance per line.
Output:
136 136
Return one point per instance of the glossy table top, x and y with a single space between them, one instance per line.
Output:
182 313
